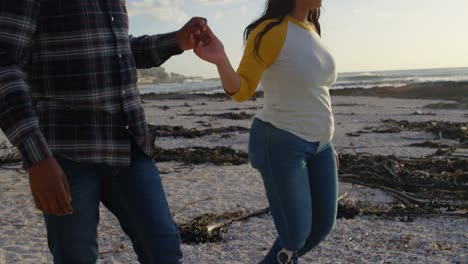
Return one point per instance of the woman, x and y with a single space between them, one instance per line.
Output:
290 138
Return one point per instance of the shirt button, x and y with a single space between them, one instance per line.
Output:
112 19
120 55
126 127
123 92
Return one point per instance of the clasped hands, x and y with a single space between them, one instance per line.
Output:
193 33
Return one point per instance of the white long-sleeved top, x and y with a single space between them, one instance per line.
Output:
296 71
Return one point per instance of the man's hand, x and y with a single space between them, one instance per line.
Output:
192 33
50 188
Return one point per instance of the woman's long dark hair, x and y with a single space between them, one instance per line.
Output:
278 9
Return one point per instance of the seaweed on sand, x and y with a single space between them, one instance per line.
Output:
179 131
8 155
200 155
440 129
430 144
232 116
421 185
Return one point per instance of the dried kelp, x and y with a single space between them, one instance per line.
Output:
430 144
423 187
180 131
200 155
210 227
245 108
165 107
232 116
456 105
10 159
420 184
8 155
385 130
423 182
421 113
181 96
348 105
441 129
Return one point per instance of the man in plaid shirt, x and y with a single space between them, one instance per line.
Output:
70 104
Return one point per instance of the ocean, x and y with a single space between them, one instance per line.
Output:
345 80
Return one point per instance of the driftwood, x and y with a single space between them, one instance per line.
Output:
8 155
424 188
210 227
420 184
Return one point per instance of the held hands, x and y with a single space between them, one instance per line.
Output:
191 33
211 50
197 35
50 188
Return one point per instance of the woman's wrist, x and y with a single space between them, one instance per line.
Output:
229 78
223 62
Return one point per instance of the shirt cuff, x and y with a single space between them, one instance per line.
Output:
34 149
165 44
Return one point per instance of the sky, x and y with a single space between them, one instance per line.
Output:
363 35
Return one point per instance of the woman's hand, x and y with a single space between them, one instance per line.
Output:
211 49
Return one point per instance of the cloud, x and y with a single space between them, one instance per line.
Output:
162 10
242 10
218 16
384 14
173 10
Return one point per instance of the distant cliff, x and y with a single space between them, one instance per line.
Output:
159 75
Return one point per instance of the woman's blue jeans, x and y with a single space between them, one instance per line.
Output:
300 180
133 194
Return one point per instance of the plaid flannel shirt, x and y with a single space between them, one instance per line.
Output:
68 79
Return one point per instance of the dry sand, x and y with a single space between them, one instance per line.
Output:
196 189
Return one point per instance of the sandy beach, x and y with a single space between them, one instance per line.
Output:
197 188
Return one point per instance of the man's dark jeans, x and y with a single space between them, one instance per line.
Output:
133 194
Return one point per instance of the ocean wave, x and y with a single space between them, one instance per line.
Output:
345 80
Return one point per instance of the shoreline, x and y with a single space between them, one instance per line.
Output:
456 92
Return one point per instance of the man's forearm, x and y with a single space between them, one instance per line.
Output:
152 51
17 118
